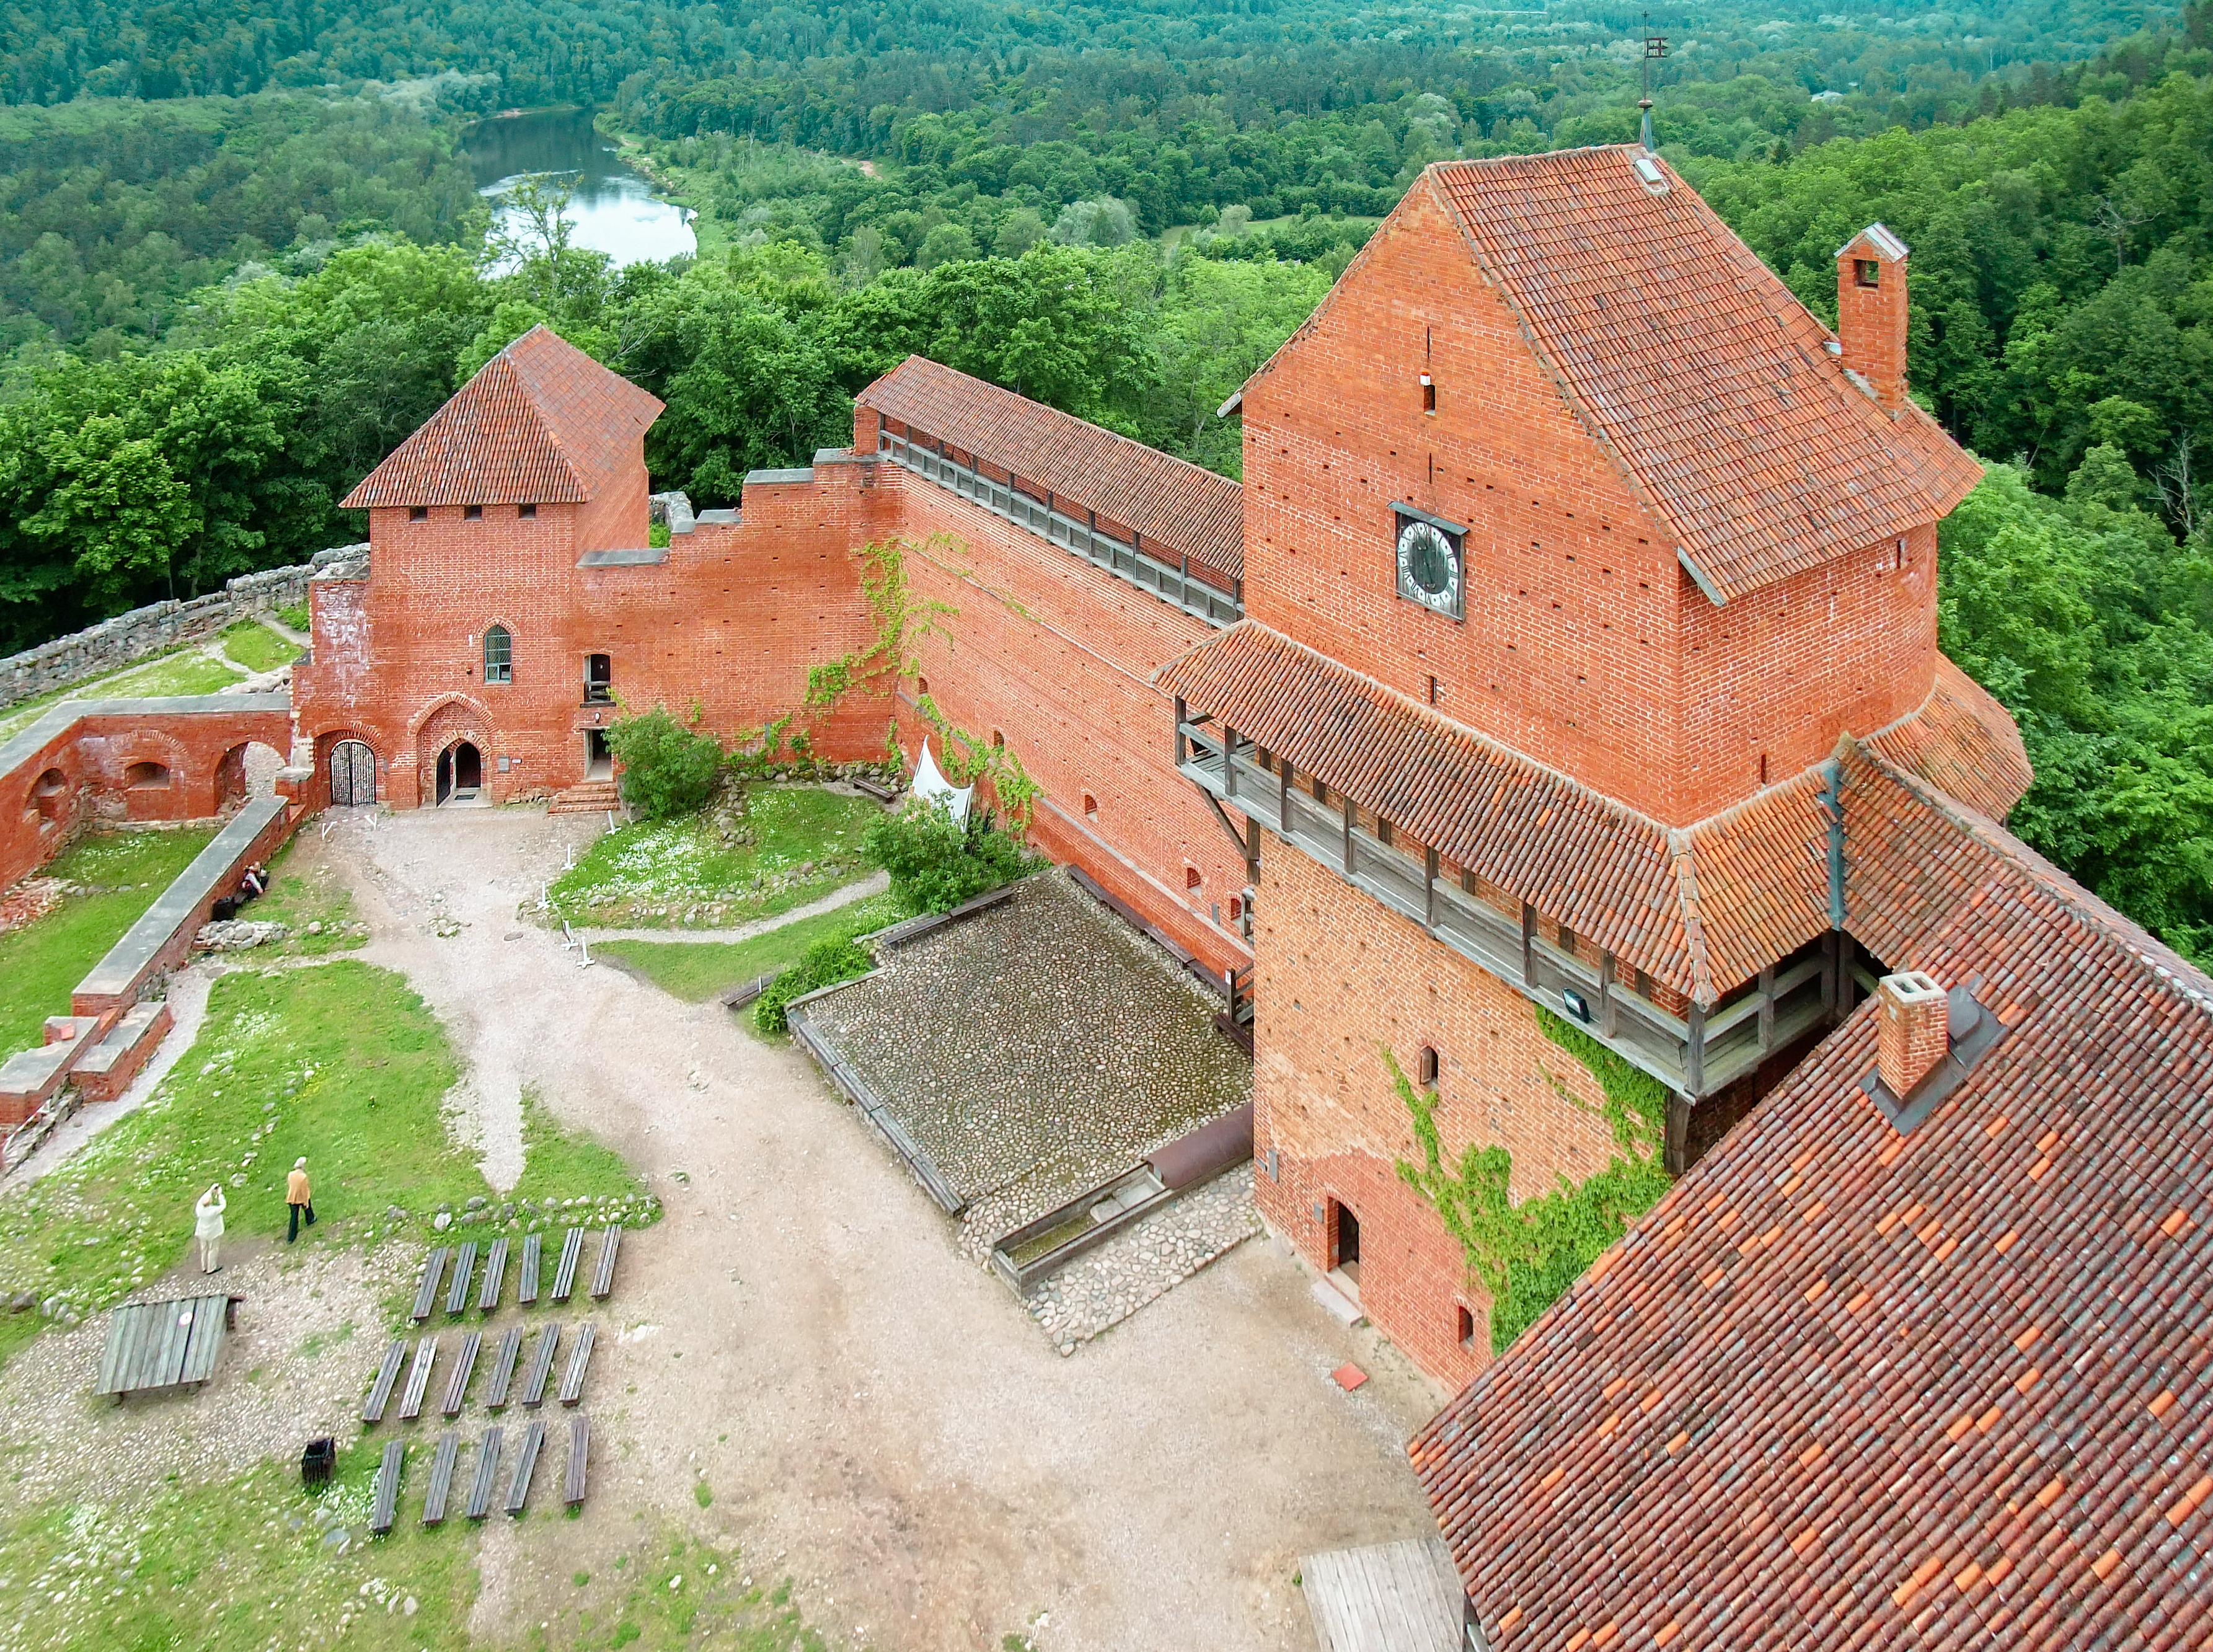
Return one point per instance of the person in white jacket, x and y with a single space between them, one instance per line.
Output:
207 1225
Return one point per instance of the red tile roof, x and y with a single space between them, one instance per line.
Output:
1171 503
1697 368
1698 909
1963 742
1844 1388
541 423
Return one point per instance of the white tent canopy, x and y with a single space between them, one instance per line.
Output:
933 787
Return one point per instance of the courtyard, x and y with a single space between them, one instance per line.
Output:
809 1395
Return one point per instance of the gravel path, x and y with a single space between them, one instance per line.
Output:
874 884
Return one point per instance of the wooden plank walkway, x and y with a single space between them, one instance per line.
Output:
465 1263
564 1277
495 1275
457 1386
572 1382
387 1372
1392 1597
503 1369
525 1285
386 1501
580 1448
603 1271
480 1489
418 1379
541 1364
526 1464
441 1477
426 1293
164 1345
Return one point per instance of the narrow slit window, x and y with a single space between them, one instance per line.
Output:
1429 1067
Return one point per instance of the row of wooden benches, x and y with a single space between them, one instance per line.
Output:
494 1272
504 1357
385 1504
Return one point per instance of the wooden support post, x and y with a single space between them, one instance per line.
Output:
1283 794
1767 1010
1679 1133
1347 802
1182 744
1608 1020
1228 761
1430 887
1528 946
1694 1064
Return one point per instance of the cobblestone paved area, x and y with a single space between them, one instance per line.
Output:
1134 1268
1035 1049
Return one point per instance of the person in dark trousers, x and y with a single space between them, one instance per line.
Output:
300 1197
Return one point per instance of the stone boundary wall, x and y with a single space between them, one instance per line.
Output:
130 637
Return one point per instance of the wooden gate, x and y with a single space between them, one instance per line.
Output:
353 774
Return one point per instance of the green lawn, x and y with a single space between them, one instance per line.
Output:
340 1062
679 874
253 645
180 671
697 970
242 1564
41 961
299 897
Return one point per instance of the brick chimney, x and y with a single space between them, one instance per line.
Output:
1915 1029
1871 311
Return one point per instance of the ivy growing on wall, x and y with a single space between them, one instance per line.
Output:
1526 1254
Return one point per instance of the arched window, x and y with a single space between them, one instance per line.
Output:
499 656
146 777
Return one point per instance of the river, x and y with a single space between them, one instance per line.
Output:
615 210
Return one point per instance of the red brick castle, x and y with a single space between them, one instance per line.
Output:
1569 652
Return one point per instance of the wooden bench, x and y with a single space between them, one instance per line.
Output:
603 1271
526 1464
572 1381
503 1369
564 1277
418 1379
457 1386
167 1345
465 1263
526 1286
386 1497
441 1477
495 1275
480 1489
426 1293
541 1366
387 1372
580 1447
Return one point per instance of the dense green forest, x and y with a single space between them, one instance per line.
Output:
248 259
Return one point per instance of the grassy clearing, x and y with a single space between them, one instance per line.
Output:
253 645
180 671
804 842
41 961
302 894
559 1165
696 970
250 1563
296 616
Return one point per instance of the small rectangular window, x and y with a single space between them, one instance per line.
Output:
418 513
1466 1329
1867 273
472 513
1428 394
1429 1067
525 512
599 680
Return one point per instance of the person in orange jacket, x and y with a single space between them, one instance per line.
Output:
298 1196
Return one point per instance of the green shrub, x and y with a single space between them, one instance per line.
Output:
824 963
668 768
935 862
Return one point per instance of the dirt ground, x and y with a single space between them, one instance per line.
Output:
876 1416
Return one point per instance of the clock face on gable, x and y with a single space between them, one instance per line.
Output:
1430 570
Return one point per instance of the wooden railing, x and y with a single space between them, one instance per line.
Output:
1695 1054
1172 581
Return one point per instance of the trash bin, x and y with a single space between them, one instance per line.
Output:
317 1461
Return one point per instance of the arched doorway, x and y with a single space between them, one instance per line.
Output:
460 773
246 771
353 774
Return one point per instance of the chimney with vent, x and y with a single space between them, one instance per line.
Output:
1915 1029
1871 313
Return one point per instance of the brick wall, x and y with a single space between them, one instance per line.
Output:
1054 655
1338 979
1585 643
